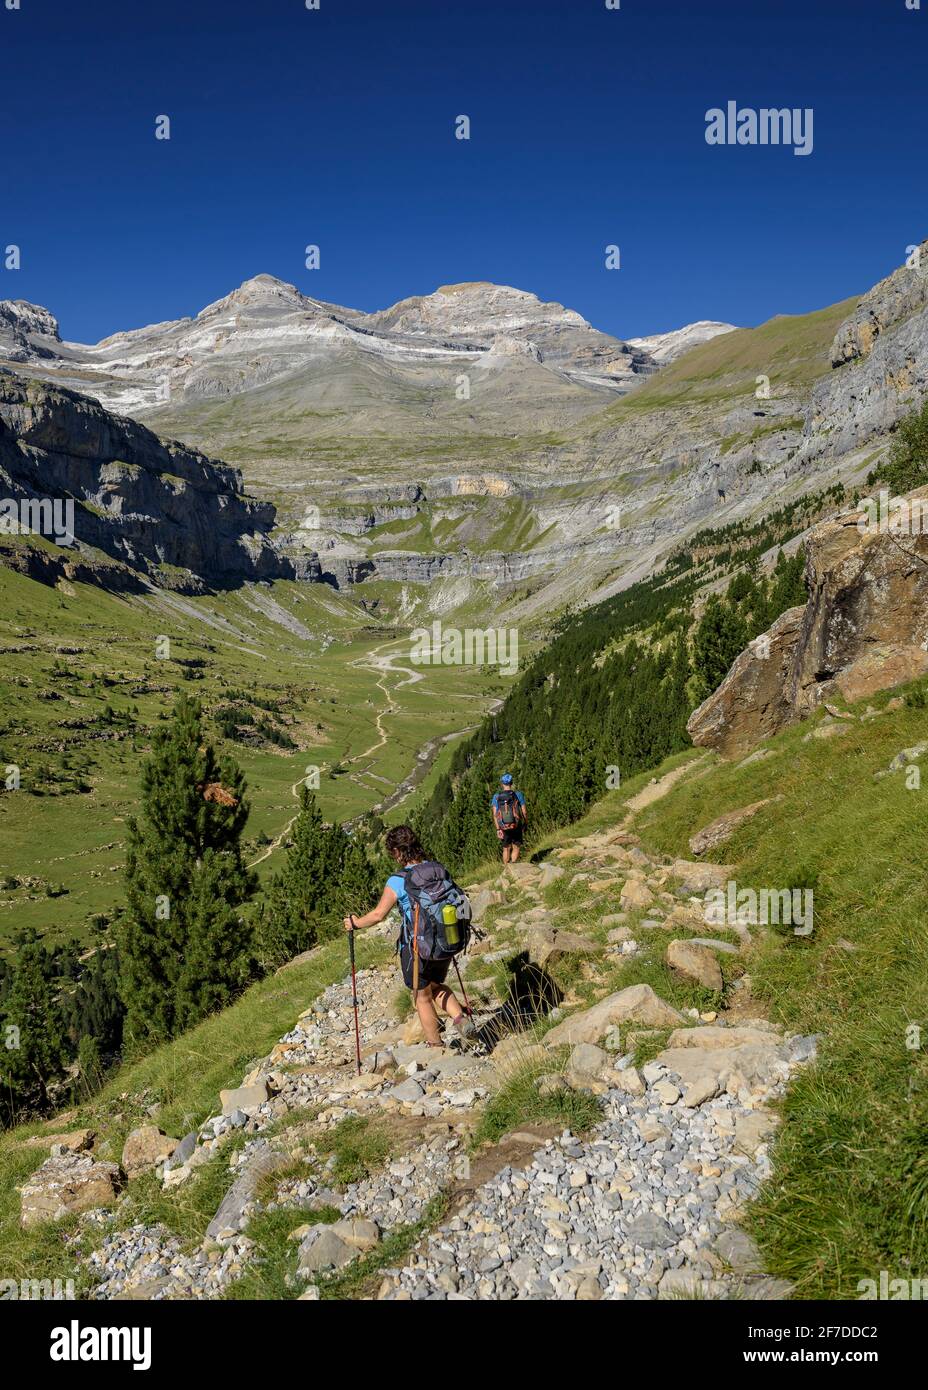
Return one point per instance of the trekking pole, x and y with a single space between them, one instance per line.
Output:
354 998
467 1008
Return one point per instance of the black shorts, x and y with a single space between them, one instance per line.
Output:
513 836
431 972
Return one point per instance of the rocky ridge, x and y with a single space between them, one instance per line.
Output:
155 508
266 328
699 448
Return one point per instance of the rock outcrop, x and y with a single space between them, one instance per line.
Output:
903 293
636 1004
91 481
864 629
65 1184
27 331
146 1148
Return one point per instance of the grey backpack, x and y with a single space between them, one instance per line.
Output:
440 912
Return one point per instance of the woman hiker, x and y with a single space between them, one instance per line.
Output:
403 846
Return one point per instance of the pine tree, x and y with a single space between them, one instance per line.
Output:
301 898
33 1047
94 1008
720 635
357 884
789 584
907 464
185 884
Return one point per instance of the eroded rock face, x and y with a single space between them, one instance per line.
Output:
152 505
893 299
752 700
864 629
866 622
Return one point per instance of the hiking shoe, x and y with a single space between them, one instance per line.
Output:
466 1026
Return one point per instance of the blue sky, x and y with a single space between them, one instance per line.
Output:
336 127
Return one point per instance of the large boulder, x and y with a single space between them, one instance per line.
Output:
323 1250
722 829
514 1053
753 699
864 629
698 878
546 945
73 1140
481 899
146 1148
636 1004
705 1072
636 893
248 1098
236 1206
357 1232
65 1184
695 963
752 1130
587 1068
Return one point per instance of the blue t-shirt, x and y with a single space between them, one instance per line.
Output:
495 802
398 883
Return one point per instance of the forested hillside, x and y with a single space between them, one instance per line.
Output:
611 694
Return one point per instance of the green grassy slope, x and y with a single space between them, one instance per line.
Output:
791 349
850 1191
849 1195
69 657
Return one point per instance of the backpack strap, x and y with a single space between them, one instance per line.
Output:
410 897
415 952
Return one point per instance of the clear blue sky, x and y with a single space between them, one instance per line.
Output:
336 127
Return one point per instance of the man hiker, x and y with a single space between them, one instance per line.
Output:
426 978
509 818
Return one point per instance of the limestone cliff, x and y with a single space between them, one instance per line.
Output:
864 629
159 509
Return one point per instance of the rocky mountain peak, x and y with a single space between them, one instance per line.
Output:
30 318
266 330
27 331
476 308
667 347
262 291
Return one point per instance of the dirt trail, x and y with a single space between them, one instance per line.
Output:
385 664
659 788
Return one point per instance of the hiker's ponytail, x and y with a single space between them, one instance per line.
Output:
403 841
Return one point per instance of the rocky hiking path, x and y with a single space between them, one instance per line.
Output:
645 1203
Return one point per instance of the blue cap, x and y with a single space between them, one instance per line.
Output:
506 777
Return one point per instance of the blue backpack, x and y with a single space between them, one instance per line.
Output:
440 913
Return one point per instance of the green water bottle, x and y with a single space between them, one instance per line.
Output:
449 915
